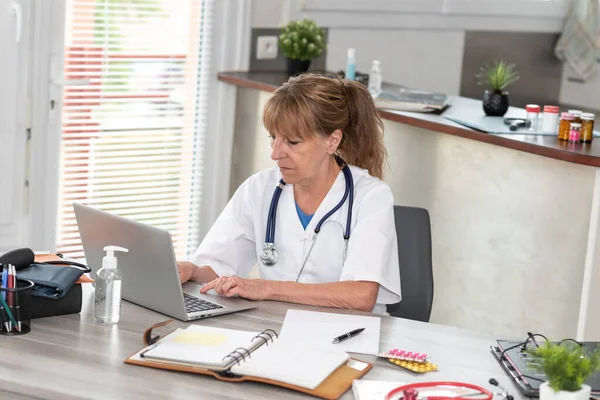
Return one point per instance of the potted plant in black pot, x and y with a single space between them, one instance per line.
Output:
498 77
301 41
566 366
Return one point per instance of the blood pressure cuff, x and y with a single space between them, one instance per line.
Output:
51 281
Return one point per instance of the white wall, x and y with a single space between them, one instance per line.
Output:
582 94
424 59
270 13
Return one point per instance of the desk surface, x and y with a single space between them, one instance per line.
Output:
547 146
71 357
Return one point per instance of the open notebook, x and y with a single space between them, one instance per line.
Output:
235 355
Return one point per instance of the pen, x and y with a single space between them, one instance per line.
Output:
148 349
4 278
9 313
9 285
16 300
348 335
11 295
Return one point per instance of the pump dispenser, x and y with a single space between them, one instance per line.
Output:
107 296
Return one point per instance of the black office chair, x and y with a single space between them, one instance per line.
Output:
413 230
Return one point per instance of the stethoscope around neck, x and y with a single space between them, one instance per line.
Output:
269 255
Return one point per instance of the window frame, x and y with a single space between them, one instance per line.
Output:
230 50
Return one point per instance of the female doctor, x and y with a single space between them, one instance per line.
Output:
321 223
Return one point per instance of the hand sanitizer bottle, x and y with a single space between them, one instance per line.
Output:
375 79
107 297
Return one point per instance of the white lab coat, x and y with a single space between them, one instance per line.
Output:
233 244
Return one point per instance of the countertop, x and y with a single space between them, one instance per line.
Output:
547 146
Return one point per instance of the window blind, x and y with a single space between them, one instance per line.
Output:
133 114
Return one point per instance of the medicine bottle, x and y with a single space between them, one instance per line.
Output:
550 119
533 112
576 115
587 127
575 132
564 126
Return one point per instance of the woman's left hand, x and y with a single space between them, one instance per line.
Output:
252 289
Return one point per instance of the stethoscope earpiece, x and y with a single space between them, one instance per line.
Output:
504 393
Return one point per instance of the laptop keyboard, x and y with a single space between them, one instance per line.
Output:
194 304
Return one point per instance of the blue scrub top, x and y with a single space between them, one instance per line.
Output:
304 218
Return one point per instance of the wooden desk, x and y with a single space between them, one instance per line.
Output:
71 357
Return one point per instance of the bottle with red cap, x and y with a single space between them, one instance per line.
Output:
533 111
550 120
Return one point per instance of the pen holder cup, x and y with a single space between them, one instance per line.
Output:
15 308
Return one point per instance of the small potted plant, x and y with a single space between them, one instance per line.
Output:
498 77
566 366
301 41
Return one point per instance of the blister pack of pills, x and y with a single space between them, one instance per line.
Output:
405 355
418 367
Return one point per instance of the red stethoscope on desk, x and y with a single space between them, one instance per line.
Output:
444 391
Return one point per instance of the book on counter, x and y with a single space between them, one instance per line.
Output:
395 97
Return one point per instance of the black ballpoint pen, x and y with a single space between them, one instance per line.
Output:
348 335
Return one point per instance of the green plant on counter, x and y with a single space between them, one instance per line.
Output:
567 365
302 40
498 76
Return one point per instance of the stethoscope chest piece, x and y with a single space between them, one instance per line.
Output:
269 255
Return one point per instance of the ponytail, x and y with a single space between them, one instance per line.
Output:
316 104
362 143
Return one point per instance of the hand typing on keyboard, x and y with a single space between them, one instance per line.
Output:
252 289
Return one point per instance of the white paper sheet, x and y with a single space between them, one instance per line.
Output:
373 390
320 329
292 363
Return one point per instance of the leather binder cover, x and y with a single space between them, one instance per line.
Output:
332 388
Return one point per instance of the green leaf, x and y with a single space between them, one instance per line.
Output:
302 39
498 76
567 366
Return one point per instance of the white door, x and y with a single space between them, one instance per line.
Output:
14 38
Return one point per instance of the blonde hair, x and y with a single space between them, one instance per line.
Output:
315 104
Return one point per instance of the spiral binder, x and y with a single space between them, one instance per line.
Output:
267 366
237 360
266 332
242 352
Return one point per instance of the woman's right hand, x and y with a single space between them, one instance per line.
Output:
186 270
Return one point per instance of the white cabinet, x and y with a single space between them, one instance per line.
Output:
578 93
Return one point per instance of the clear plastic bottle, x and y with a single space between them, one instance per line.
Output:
351 65
375 79
533 112
107 295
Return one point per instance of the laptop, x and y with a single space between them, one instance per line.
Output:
149 269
